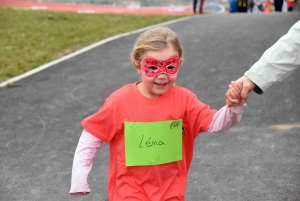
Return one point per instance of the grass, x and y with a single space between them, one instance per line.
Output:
31 38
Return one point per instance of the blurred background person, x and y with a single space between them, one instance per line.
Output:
242 6
251 5
233 6
269 6
278 5
200 6
290 5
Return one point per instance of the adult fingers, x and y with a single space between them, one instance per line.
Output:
247 85
244 95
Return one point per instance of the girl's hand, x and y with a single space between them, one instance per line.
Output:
233 95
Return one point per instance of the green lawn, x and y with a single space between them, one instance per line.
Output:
31 38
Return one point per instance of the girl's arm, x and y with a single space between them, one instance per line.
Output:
225 118
86 150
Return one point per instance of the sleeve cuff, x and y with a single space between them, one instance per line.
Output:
78 190
238 109
261 84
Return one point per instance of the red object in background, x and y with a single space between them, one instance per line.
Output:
290 3
268 7
79 8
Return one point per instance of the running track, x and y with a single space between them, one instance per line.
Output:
80 8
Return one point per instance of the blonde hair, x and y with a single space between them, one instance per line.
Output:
154 40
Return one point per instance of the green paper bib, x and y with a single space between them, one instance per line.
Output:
153 143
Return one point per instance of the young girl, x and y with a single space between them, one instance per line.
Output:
150 126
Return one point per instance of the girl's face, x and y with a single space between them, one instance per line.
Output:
153 87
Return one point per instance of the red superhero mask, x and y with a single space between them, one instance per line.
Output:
152 67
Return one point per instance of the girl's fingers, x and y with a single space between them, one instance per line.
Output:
233 94
234 91
231 98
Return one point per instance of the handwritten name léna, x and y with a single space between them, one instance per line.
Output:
150 143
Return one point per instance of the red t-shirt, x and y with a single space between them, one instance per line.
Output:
156 182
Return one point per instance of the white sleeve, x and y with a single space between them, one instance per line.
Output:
277 62
86 150
225 118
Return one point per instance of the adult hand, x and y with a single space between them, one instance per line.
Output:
248 86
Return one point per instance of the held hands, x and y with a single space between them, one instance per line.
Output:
233 94
233 97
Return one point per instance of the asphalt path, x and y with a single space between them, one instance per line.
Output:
257 160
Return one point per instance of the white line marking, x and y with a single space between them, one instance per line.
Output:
286 126
64 58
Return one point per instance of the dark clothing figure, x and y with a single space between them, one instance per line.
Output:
200 6
233 6
242 6
251 5
278 5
